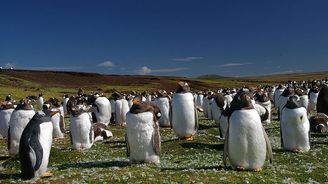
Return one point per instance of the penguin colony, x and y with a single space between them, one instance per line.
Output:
239 114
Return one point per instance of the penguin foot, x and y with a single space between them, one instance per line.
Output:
187 138
47 174
297 150
257 169
240 168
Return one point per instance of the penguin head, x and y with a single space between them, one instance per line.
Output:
293 102
261 97
146 107
300 91
8 98
242 100
25 104
289 91
183 87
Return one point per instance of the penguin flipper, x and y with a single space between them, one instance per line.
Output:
36 148
196 118
8 139
62 124
225 148
268 146
127 145
156 139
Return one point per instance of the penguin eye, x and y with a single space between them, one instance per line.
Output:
158 115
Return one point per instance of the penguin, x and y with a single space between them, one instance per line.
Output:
277 94
35 146
223 122
304 98
289 91
199 99
22 114
81 130
264 101
184 116
6 109
205 105
217 106
163 102
319 123
313 98
40 100
246 143
101 132
322 101
65 100
103 109
58 132
121 108
295 126
142 136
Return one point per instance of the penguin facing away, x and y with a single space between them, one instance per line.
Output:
142 133
319 123
6 110
22 114
184 116
35 146
246 143
295 126
163 102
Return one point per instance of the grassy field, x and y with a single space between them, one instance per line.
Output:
197 161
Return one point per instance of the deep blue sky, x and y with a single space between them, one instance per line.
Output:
168 37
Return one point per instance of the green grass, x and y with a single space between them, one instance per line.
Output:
197 161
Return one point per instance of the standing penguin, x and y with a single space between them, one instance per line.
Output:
246 143
40 100
322 101
313 98
65 100
22 114
295 126
56 120
81 130
6 109
35 146
263 100
184 116
121 108
163 101
142 133
103 109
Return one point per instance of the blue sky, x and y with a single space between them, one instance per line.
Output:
168 37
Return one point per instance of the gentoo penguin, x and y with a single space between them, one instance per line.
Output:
163 102
263 100
184 116
277 94
6 109
295 126
101 132
246 143
313 98
223 122
289 91
304 98
65 100
81 130
40 100
199 99
217 106
35 146
205 105
322 101
319 123
22 114
121 108
56 119
142 137
103 109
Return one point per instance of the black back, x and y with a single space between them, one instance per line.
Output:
322 103
30 142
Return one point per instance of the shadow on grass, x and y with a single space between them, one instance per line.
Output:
202 145
220 167
319 135
4 157
170 140
116 144
204 127
9 176
97 164
319 142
